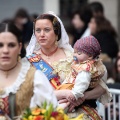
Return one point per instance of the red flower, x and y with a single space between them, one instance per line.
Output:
54 114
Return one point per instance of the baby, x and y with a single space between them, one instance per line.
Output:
86 70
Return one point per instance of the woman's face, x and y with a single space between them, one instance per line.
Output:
9 50
118 66
92 26
44 33
77 22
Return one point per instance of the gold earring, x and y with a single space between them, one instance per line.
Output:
56 43
19 58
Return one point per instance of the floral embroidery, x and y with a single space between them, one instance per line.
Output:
63 66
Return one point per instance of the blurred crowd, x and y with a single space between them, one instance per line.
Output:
22 23
87 20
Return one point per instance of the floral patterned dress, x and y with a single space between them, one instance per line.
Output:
62 69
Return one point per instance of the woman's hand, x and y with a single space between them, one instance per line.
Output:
70 97
64 102
61 94
76 103
68 104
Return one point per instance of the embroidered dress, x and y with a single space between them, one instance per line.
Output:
84 76
62 68
56 72
93 71
29 90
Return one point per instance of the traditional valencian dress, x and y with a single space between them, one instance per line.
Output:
84 77
56 72
29 90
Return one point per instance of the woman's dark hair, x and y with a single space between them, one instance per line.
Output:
54 21
22 13
104 25
10 28
96 7
84 13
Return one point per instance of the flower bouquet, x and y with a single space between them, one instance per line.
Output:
47 113
44 113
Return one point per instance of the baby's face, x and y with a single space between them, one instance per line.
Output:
80 56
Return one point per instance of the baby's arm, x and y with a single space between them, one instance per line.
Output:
82 82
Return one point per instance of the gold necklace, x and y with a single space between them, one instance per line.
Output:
8 70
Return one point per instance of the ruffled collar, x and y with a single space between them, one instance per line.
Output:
25 65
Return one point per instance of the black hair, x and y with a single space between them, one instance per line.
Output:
34 16
104 25
10 28
54 21
97 7
22 13
84 13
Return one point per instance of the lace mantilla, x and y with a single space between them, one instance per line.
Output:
25 65
62 43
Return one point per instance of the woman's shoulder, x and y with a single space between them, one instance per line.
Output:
68 53
68 57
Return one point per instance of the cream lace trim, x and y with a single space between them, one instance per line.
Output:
20 79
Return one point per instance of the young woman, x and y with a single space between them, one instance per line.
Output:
21 86
49 50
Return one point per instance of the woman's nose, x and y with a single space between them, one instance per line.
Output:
42 33
5 49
